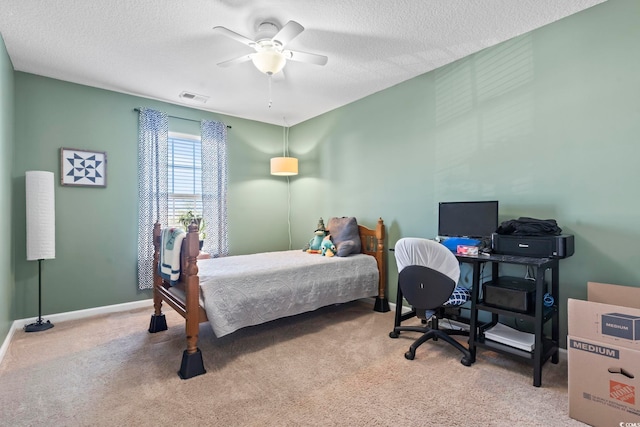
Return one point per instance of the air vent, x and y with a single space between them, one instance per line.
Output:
194 97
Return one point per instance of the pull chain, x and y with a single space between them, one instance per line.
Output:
270 101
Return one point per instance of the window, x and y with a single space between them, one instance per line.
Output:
185 175
171 176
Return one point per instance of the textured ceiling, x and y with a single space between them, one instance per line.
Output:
161 48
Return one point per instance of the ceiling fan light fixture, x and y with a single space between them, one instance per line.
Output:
269 61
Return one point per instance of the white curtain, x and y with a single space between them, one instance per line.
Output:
214 187
152 187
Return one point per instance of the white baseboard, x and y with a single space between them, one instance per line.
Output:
7 340
405 309
73 315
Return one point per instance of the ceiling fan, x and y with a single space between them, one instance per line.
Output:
270 55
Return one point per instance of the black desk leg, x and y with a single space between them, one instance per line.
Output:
473 318
538 349
555 325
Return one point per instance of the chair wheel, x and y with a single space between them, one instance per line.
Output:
409 355
466 361
393 334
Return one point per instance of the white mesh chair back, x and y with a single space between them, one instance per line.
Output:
428 253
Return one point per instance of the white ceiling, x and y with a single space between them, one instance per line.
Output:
159 48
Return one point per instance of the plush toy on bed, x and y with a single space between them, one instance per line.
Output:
328 248
315 244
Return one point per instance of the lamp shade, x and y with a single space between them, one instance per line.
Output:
284 166
41 215
268 61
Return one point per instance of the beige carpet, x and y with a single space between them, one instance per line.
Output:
333 367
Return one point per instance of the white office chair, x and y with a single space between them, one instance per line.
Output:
428 280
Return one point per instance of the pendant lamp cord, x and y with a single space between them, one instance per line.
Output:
285 142
285 153
289 210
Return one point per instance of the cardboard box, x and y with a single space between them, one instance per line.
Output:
603 347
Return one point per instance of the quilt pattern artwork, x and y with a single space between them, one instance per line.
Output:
82 167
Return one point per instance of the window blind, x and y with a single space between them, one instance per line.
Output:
185 176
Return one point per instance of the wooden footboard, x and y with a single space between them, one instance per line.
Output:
185 296
188 305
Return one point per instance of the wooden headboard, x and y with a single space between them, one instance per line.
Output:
373 244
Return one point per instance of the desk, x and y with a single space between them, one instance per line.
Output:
544 347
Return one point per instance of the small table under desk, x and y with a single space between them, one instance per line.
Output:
545 347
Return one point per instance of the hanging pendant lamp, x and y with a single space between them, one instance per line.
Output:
285 165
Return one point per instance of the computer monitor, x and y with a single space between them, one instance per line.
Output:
467 219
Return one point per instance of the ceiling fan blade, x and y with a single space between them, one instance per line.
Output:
235 36
310 58
289 32
239 60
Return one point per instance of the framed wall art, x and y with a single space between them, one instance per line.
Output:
83 167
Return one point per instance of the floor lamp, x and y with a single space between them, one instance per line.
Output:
41 232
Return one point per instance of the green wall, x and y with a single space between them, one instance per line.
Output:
6 158
96 228
547 123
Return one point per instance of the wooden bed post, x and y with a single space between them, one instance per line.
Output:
382 303
192 364
158 321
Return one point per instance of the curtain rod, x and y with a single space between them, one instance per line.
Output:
181 118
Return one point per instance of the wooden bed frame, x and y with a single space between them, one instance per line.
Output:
189 306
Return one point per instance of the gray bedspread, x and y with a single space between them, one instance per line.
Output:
247 290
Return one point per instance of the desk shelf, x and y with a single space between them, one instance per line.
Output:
547 312
549 348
